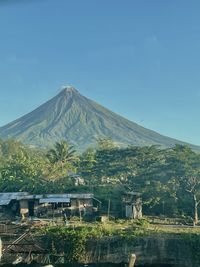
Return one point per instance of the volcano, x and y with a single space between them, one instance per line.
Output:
81 121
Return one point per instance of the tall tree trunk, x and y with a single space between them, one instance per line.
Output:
195 210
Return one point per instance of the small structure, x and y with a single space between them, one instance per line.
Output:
73 204
77 179
133 205
25 205
10 203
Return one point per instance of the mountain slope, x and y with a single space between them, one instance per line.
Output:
71 116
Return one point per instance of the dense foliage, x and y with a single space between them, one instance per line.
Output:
75 242
82 242
169 179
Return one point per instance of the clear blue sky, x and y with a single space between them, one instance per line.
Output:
139 58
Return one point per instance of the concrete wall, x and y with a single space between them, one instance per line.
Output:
156 250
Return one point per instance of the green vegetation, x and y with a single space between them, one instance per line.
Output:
169 179
73 241
76 241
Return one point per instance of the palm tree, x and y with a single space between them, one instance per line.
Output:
62 153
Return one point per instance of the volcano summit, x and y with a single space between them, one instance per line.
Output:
81 121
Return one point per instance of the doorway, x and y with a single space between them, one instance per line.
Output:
31 208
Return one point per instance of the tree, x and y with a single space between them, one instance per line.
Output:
147 175
63 158
21 173
106 143
86 165
10 147
63 152
184 169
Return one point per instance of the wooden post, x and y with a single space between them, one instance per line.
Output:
108 209
132 215
79 207
1 249
53 212
132 260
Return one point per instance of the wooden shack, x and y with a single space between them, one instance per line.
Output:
47 205
132 205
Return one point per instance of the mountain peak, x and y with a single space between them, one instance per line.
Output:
69 89
81 121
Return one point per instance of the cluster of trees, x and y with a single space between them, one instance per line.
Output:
23 168
169 179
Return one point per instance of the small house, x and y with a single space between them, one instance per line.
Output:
132 205
25 205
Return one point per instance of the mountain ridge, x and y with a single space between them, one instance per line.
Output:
71 116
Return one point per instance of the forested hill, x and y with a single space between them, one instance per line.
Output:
73 117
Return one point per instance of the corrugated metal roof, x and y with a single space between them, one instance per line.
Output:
4 202
55 195
72 195
54 200
13 195
86 196
31 197
5 198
